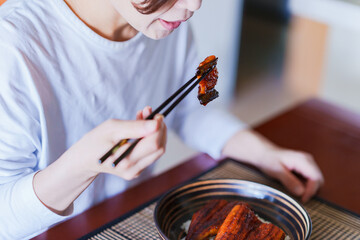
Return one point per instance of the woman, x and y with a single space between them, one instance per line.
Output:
73 74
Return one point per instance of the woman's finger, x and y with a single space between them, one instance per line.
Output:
139 115
119 129
147 111
135 170
144 113
129 166
304 164
108 163
148 145
291 182
310 190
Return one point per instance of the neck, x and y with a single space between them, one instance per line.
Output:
102 18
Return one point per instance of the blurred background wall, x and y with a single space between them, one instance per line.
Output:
292 50
340 82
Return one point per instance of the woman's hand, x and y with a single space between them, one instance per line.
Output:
285 166
296 170
149 149
58 185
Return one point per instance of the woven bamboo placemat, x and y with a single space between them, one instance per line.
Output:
329 221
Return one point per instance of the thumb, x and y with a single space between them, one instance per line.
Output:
121 129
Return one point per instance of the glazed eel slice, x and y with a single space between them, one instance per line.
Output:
206 222
242 224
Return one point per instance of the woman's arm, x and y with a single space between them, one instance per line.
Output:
58 185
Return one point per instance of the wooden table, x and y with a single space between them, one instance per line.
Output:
328 132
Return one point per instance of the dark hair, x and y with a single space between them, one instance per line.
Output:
151 6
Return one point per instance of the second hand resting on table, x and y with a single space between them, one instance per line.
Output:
277 162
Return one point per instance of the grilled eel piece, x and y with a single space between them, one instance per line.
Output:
207 92
238 223
242 224
209 62
267 231
206 222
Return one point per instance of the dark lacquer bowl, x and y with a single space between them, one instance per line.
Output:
178 205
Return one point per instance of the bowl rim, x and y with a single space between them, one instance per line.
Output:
199 181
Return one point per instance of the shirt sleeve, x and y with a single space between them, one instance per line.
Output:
206 128
22 213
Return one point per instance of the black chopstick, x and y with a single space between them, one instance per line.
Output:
151 116
166 112
156 111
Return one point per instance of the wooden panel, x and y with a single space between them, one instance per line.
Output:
305 56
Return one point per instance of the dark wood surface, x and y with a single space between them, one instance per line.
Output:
331 134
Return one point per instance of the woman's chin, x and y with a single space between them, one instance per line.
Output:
157 35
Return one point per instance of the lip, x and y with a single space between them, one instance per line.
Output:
170 25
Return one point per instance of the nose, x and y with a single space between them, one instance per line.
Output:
191 5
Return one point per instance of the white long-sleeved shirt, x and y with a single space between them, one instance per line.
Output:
59 80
